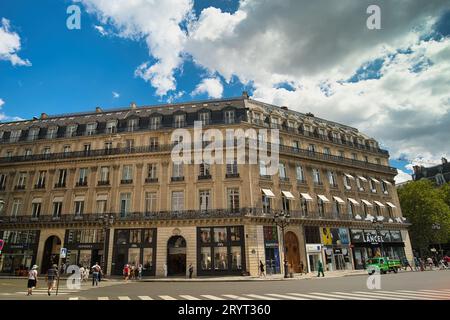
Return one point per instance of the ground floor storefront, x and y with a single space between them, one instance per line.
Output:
216 249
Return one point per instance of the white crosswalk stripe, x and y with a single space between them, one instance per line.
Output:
232 296
124 298
353 296
260 297
73 298
387 296
290 296
167 298
330 295
428 294
145 298
310 296
210 297
103 298
413 294
188 297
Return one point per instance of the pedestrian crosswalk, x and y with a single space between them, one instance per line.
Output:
438 294
63 289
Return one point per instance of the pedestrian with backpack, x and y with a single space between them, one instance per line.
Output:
95 274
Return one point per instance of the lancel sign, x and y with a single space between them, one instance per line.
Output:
371 238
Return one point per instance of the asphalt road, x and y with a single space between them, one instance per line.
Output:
427 285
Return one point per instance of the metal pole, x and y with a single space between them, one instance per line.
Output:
59 274
285 253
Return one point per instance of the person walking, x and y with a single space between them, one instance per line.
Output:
140 271
82 271
261 269
95 272
406 264
133 272
52 274
165 270
320 269
32 280
430 263
416 264
191 270
126 272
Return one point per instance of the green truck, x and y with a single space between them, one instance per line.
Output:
383 264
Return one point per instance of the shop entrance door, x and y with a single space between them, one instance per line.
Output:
51 253
293 254
313 262
176 256
339 261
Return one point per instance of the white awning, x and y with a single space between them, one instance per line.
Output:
391 205
306 196
288 195
349 176
58 199
387 182
362 178
366 203
378 203
37 200
356 203
323 198
374 180
79 198
339 200
268 193
102 197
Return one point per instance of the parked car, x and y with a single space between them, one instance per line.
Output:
384 264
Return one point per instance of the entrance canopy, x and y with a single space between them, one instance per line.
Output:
288 195
268 193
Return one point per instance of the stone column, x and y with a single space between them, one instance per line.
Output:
254 248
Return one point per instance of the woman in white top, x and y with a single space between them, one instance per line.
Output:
32 279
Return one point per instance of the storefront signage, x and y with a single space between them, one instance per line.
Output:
313 248
334 236
63 253
372 238
85 246
18 246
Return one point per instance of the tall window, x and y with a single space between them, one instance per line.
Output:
46 151
152 171
108 145
111 126
304 206
133 124
66 149
15 135
316 176
232 167
336 208
384 187
52 132
79 207
177 170
101 206
359 184
129 144
22 179
62 177
90 128
332 178
177 201
150 202
263 169
320 207
205 169
347 183
104 174
350 209
233 199
36 209
265 203
204 118
87 148
326 151
71 130
285 203
82 178
373 186
57 209
127 173
205 200
296 145
300 174
33 134
17 207
2 181
155 123
125 204
354 156
179 120
41 179
229 116
27 152
154 143
282 171
312 148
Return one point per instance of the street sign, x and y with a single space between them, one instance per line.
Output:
63 253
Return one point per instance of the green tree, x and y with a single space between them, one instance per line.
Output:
425 206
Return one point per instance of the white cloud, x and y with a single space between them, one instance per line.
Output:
101 30
115 95
211 86
402 177
158 22
175 96
4 117
10 45
2 102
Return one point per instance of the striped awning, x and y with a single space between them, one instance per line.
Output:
349 176
387 182
306 196
374 180
353 201
366 203
79 198
37 200
323 198
339 200
58 199
378 203
362 178
391 205
288 195
268 193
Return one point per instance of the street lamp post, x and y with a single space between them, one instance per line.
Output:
282 220
378 225
107 220
437 226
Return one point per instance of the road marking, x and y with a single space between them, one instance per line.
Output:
41 293
103 298
284 296
145 298
353 296
416 294
124 298
444 291
188 297
334 296
167 298
387 296
207 296
73 298
259 297
427 294
231 296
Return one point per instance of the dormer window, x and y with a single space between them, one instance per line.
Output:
15 135
52 132
204 117
179 120
71 130
133 124
229 116
111 126
91 128
155 123
33 134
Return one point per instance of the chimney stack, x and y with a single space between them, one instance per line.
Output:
98 110
284 108
245 94
133 105
444 160
44 115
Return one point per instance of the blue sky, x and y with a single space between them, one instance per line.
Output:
77 70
